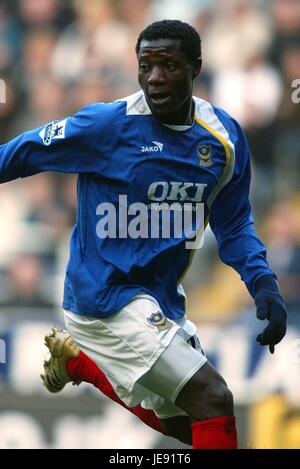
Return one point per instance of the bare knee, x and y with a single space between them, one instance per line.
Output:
215 400
206 396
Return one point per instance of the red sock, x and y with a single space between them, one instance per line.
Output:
216 433
83 368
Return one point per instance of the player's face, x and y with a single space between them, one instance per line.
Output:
166 77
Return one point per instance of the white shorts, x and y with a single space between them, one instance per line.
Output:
146 357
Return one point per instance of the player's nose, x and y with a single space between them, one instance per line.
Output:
156 76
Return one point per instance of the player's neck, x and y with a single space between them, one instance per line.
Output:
185 116
182 116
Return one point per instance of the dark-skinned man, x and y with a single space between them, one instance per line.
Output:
137 159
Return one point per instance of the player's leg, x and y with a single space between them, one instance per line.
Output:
136 350
216 399
84 369
209 403
125 336
193 385
68 363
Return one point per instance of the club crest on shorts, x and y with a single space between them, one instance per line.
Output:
160 321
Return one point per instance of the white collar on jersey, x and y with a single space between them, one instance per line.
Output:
179 128
137 105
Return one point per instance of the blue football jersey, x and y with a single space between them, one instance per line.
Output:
127 161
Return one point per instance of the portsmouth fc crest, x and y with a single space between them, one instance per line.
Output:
160 321
204 155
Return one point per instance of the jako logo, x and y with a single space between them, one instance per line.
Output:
157 147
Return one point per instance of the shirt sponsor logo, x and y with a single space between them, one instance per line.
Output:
156 147
160 321
174 210
160 191
52 131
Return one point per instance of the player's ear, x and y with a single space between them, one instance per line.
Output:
197 67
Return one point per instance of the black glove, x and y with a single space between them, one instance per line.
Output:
270 305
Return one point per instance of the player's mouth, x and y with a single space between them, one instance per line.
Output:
159 99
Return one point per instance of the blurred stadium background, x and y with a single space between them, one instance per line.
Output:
56 56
